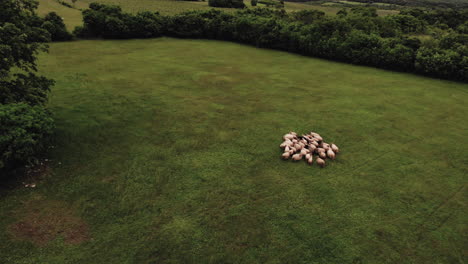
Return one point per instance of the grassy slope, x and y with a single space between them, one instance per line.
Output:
168 150
72 17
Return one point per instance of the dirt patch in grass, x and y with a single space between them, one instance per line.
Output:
41 221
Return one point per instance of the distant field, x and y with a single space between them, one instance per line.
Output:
167 152
329 8
73 17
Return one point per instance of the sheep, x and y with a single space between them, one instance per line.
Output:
331 154
320 162
305 146
312 148
297 157
288 136
335 148
325 146
319 138
314 134
322 154
286 143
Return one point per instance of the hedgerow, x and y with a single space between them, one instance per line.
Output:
359 36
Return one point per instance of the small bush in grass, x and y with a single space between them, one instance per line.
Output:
23 130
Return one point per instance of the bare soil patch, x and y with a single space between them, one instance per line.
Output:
41 221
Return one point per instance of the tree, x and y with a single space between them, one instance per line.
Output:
53 23
21 38
23 119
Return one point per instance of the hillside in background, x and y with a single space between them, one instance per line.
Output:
393 3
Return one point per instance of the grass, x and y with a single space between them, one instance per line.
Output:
72 17
167 152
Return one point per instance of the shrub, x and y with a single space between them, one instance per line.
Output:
23 130
226 3
254 2
307 16
55 26
442 63
110 22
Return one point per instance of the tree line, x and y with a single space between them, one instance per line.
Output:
357 36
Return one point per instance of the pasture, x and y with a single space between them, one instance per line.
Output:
167 151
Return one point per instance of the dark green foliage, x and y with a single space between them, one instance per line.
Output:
109 22
23 120
448 17
254 2
359 37
307 16
226 3
55 26
463 28
29 88
408 23
444 63
23 131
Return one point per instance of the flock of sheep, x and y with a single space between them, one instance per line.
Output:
305 146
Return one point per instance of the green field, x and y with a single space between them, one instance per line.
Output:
72 16
167 152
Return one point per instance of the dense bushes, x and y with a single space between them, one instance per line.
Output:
226 3
358 36
55 26
109 22
23 132
24 121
